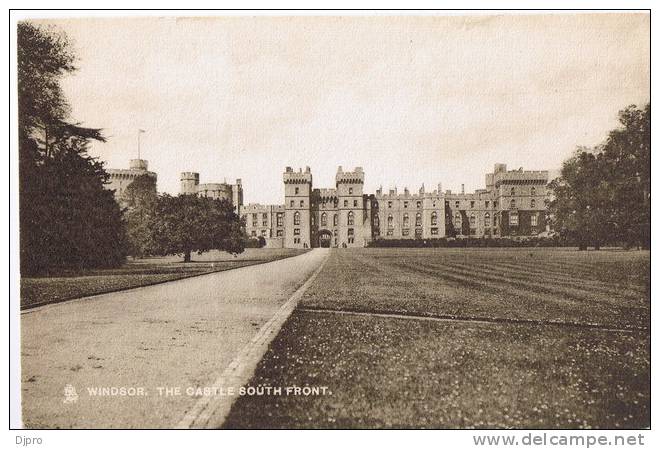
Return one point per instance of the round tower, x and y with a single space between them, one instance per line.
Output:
189 183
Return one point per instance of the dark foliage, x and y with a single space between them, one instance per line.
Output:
67 218
186 223
604 194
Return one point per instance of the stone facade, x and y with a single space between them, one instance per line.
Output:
511 205
119 179
233 192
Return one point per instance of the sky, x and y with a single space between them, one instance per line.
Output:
411 99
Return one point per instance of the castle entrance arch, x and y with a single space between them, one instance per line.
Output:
325 237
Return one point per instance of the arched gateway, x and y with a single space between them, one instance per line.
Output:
324 238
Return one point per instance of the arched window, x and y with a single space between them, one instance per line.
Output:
418 219
473 221
457 218
533 203
296 218
532 191
434 219
324 219
406 221
334 220
487 220
512 204
390 221
534 220
513 191
351 219
376 221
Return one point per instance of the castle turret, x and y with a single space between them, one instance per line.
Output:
189 183
297 197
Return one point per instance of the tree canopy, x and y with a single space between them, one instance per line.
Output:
603 193
67 218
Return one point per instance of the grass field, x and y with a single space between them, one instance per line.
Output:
68 284
461 338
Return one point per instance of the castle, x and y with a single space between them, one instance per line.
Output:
511 205
119 178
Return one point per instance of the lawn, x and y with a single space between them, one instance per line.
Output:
527 338
65 285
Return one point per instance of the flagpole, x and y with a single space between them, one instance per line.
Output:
139 132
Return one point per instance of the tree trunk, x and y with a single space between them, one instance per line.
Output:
186 256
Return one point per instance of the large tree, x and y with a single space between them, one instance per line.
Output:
140 200
188 223
603 194
67 218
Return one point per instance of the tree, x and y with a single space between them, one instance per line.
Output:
140 200
627 153
188 223
581 207
603 194
67 218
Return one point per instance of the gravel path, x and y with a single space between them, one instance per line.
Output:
149 341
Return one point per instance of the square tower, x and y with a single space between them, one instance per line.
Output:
353 229
297 205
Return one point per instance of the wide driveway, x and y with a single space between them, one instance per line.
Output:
148 348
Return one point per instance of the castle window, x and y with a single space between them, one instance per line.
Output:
471 204
532 191
375 204
495 204
390 222
334 233
302 203
254 220
254 233
473 221
296 231
291 203
354 203
434 231
434 219
487 220
280 233
487 204
376 221
350 190
334 220
534 220
513 219
512 204
280 219
418 219
351 235
264 220
406 221
418 233
457 204
389 205
405 204
405 231
351 218
390 232
419 204
513 191
457 219
324 219
297 190
533 203
296 219
434 204
263 233
345 203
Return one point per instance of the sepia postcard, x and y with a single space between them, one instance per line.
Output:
359 220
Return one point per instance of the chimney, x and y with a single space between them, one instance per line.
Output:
439 187
462 189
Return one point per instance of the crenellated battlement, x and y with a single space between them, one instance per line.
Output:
350 177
